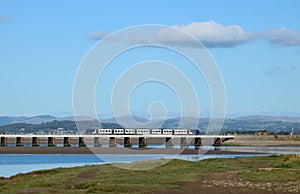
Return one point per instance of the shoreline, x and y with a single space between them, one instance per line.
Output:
100 150
234 175
264 140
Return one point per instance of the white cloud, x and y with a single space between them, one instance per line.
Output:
210 33
213 34
282 37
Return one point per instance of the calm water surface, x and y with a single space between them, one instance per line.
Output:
12 164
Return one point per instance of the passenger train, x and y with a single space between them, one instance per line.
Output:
146 132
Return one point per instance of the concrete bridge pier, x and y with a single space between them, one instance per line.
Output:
97 142
51 141
112 142
218 141
67 141
142 142
82 142
127 142
169 142
184 142
19 141
35 141
198 142
3 141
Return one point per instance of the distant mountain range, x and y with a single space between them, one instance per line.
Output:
5 120
239 124
269 118
39 119
127 120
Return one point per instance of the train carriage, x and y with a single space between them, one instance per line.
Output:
130 131
143 131
194 132
105 131
156 131
167 131
180 131
118 131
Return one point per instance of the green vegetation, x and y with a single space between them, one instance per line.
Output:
281 168
175 175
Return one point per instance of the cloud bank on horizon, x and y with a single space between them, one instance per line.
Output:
216 35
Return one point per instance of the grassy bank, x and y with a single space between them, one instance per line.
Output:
241 175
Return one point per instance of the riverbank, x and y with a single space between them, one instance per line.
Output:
269 174
113 150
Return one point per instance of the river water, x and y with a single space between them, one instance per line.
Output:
12 164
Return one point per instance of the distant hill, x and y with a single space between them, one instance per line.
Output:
269 118
53 126
4 120
38 119
246 124
78 118
126 119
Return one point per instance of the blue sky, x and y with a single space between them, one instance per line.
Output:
42 44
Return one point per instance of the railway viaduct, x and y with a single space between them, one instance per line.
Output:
110 140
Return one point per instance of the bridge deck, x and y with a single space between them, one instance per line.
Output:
118 136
